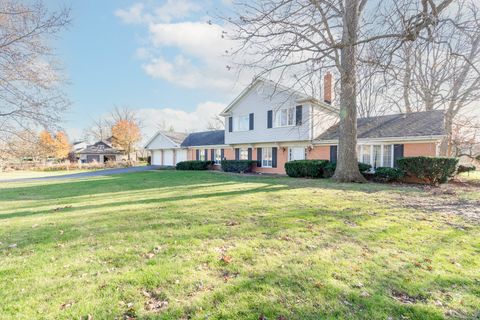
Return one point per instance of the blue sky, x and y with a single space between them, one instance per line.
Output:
160 57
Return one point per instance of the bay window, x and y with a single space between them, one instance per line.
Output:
285 117
376 155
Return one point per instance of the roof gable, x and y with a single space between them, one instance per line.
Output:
164 139
415 124
277 89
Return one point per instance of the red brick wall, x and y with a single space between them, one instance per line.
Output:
319 153
419 149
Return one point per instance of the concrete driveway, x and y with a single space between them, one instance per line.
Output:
106 172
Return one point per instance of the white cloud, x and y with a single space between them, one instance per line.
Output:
141 13
192 53
181 121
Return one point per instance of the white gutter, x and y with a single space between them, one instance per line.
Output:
386 139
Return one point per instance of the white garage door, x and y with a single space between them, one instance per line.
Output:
157 157
181 155
168 157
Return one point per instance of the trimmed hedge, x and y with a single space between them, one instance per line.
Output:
330 167
461 168
305 168
387 174
194 165
237 166
433 170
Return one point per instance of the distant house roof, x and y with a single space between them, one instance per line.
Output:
416 124
205 138
100 147
176 137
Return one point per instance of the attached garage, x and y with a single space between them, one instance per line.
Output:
165 148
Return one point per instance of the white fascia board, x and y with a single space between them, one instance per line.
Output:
418 139
155 136
212 146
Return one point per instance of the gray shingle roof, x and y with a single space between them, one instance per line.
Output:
415 124
100 147
205 138
177 137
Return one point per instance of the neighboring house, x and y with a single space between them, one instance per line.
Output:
101 152
272 125
78 146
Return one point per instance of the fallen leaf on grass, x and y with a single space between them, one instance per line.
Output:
226 259
232 223
66 305
14 245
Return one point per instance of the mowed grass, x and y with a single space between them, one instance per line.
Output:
203 245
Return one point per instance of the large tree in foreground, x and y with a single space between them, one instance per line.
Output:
30 81
298 39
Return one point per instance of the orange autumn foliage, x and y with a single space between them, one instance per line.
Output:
125 134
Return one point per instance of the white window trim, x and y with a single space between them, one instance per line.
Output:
240 153
271 157
382 151
220 155
288 125
236 119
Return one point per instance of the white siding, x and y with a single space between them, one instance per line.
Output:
160 142
181 155
259 100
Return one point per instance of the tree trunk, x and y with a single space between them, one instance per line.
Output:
445 145
347 164
407 77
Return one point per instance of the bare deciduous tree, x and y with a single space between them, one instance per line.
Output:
215 123
30 78
440 71
297 39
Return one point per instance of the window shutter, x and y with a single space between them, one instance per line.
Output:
237 154
259 157
197 154
212 153
333 153
250 153
230 124
397 153
222 154
250 119
298 115
206 154
274 157
269 119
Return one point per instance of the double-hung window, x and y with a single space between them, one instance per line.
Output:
285 117
243 153
218 156
267 157
201 155
296 153
241 123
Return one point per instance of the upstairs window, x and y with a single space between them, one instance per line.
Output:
241 123
285 117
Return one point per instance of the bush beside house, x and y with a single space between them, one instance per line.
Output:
305 168
194 165
387 174
465 168
330 167
431 170
238 166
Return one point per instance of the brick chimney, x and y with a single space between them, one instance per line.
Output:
327 88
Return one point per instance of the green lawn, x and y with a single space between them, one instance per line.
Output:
203 245
23 174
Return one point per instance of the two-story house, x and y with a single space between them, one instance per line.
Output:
272 124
